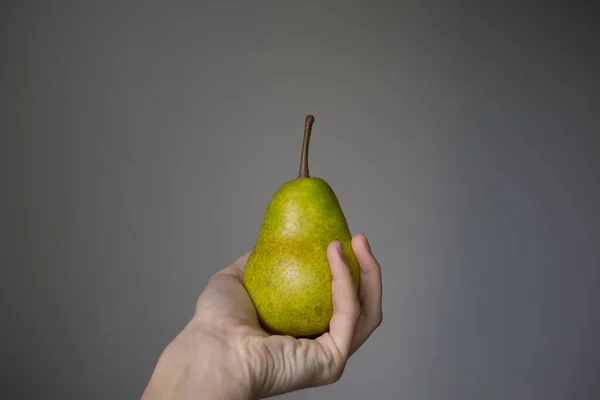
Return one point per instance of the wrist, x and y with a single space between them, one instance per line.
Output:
199 366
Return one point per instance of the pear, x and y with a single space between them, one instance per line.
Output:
287 275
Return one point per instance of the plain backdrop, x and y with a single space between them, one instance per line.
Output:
142 141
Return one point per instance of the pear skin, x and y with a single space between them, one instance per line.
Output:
287 275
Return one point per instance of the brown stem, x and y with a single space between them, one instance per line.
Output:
308 122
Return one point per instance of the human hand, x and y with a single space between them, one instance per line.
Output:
223 353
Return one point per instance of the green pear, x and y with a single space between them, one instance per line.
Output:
287 275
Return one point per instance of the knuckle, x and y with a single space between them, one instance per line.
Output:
379 318
339 372
335 375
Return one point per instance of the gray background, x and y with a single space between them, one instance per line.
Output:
141 143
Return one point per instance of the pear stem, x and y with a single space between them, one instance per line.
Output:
308 122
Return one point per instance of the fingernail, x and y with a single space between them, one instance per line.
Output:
338 246
367 243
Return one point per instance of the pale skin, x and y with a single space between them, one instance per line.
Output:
224 354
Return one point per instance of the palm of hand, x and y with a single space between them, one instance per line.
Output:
278 364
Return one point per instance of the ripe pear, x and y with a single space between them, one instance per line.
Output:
287 275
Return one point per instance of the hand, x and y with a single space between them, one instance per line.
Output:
223 353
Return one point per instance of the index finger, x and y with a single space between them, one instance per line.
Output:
370 293
346 308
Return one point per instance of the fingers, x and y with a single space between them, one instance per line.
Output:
287 364
290 364
346 308
370 294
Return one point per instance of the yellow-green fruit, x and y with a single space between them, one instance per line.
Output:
287 274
